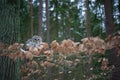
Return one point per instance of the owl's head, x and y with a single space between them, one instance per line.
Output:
37 39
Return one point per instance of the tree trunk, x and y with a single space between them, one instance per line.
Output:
109 24
47 22
88 31
69 26
109 17
56 18
9 30
48 37
110 29
40 19
31 18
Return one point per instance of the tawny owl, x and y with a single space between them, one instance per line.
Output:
35 41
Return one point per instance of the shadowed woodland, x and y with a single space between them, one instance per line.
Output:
77 40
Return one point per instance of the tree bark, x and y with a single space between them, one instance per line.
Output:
47 22
110 29
48 37
31 18
40 18
88 32
109 24
57 21
69 26
9 30
109 17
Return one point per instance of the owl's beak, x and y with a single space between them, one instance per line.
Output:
37 41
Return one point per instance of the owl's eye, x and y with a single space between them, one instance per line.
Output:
35 39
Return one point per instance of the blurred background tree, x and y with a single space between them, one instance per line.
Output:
66 18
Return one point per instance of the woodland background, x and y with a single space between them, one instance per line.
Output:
58 20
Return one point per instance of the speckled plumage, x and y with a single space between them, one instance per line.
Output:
35 41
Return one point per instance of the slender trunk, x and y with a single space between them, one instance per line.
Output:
31 18
69 27
88 33
40 19
69 32
19 36
57 23
48 37
47 22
